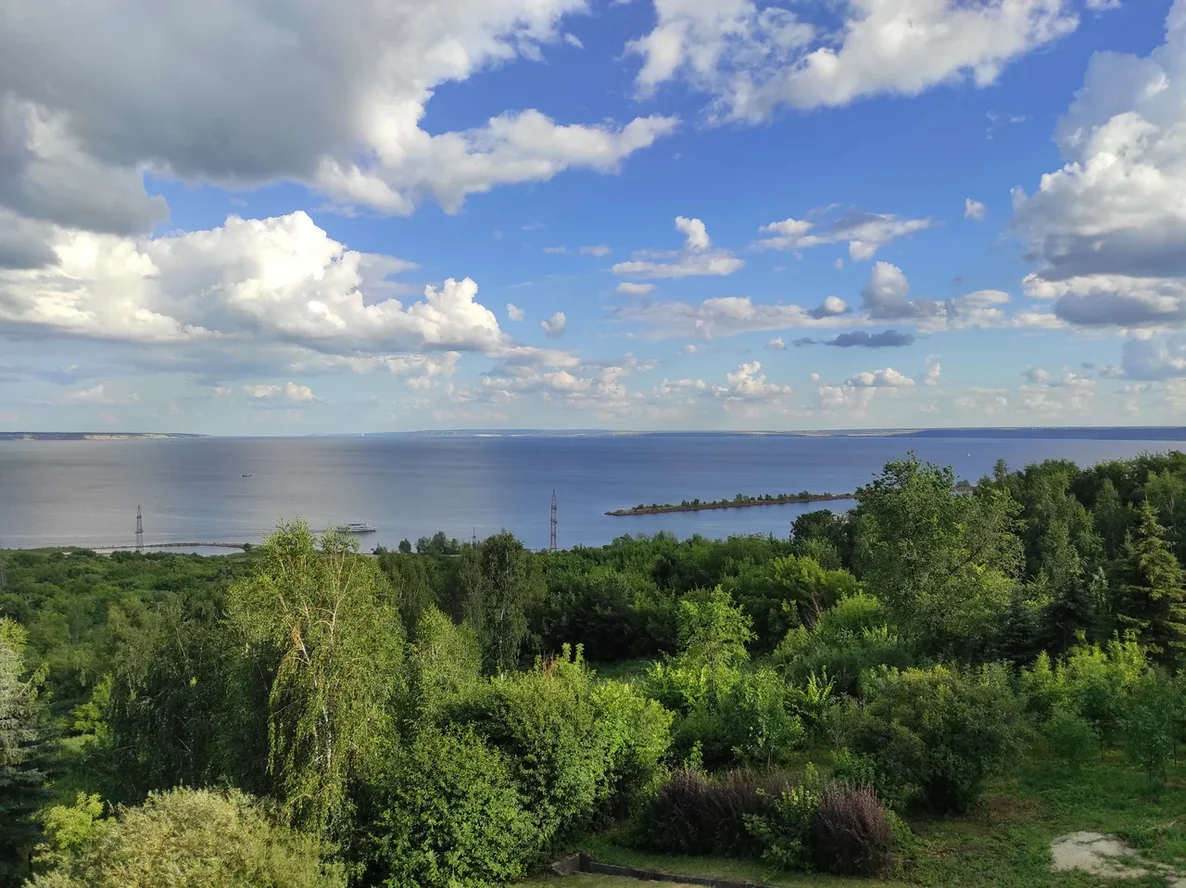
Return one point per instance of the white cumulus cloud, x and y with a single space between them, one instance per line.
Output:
271 280
695 260
303 93
747 382
865 233
1159 358
692 265
628 289
1109 227
887 378
695 232
554 326
720 317
290 391
751 58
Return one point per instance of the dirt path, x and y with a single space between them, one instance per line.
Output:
1108 858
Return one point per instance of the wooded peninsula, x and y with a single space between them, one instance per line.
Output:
740 501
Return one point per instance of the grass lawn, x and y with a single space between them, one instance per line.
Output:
737 870
1004 842
586 880
631 671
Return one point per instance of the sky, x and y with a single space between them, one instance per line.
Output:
243 217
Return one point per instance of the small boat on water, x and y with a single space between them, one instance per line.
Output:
354 528
247 475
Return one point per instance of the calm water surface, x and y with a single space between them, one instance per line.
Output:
86 492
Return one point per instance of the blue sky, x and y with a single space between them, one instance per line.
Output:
655 214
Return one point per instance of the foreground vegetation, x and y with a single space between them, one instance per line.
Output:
928 689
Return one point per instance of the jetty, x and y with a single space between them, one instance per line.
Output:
125 548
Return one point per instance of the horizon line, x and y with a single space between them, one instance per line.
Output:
608 431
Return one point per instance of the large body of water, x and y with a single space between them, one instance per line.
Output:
86 492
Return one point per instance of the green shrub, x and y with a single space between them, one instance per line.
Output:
616 615
444 662
184 839
851 833
694 813
784 828
734 716
713 633
1043 688
785 592
853 613
856 769
1070 737
548 724
446 812
934 734
683 687
753 723
847 639
1098 681
1151 725
1093 681
760 726
639 734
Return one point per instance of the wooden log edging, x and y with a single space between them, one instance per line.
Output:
583 863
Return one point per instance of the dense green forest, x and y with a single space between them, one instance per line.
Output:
844 701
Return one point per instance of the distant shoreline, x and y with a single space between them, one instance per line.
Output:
781 499
91 436
1069 433
1173 434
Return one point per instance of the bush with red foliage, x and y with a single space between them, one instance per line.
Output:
851 834
695 813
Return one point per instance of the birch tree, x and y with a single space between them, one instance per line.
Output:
313 618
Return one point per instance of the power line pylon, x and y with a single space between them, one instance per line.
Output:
139 529
552 538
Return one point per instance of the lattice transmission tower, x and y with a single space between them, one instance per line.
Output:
552 537
139 529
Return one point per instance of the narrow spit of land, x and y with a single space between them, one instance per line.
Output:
741 501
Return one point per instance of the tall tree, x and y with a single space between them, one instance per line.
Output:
413 592
1112 518
1167 492
945 563
166 712
313 618
713 633
499 581
1152 597
22 755
443 660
